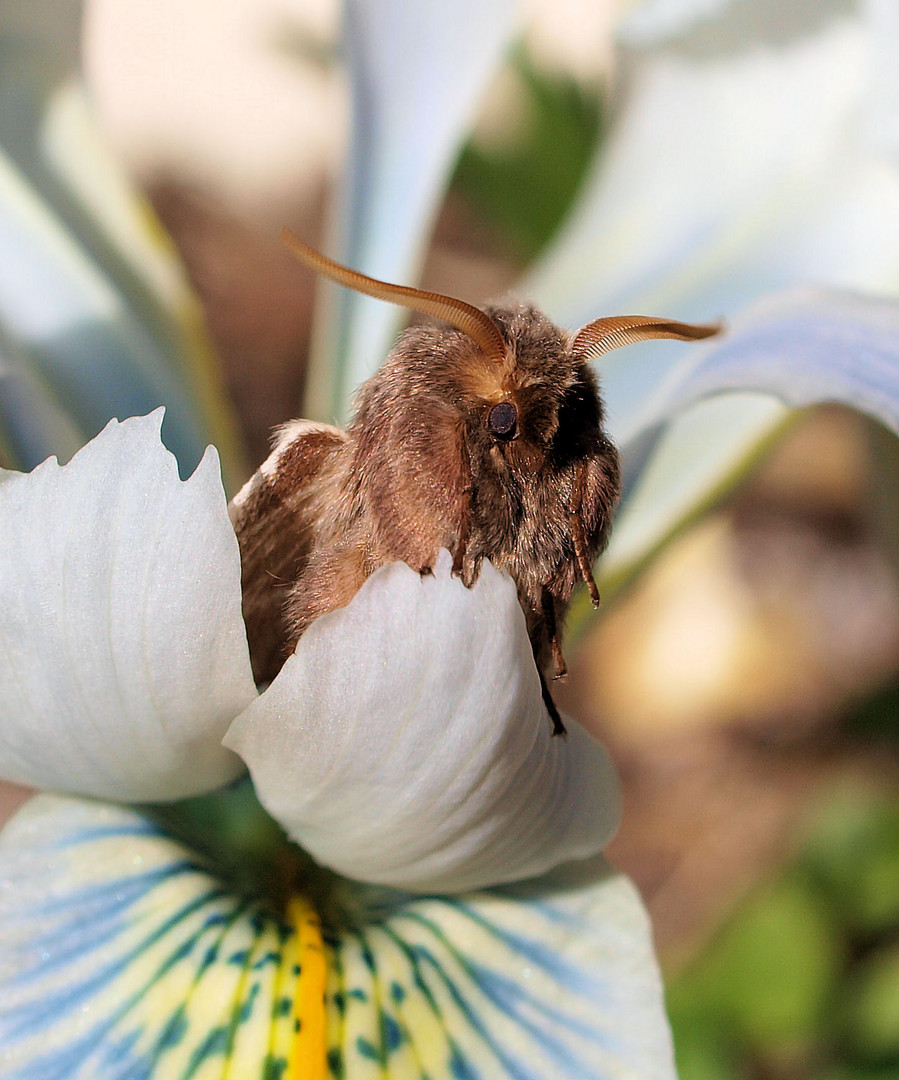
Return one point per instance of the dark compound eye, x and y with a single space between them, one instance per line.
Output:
503 420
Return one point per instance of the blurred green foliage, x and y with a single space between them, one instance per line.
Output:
522 187
802 983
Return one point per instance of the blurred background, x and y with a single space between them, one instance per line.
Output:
748 682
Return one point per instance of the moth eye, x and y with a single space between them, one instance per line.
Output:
503 420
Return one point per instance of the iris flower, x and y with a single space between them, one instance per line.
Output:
445 911
404 744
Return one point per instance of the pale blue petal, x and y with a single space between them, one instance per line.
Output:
691 439
804 348
32 419
679 470
751 151
416 74
66 316
121 957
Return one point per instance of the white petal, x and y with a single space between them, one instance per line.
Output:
123 655
406 741
416 72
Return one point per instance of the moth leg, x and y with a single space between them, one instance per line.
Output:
583 563
548 611
469 575
464 532
577 536
558 726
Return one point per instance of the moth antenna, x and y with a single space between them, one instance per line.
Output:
465 317
601 336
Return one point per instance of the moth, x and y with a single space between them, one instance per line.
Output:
484 436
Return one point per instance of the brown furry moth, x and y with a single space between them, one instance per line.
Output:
485 438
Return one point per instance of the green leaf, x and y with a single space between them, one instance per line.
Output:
853 852
702 1048
871 1007
771 972
521 187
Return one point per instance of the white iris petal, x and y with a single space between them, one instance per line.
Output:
406 741
123 655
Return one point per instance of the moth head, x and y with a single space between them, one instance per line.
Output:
517 373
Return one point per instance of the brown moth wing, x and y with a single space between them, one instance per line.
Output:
274 516
414 479
397 493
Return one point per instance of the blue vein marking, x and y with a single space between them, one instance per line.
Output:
118 892
419 981
86 931
140 827
498 991
581 985
534 951
61 1062
63 1001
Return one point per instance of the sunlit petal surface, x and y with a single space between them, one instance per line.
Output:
417 72
123 654
121 957
406 741
740 161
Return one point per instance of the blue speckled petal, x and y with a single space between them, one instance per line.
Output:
122 957
552 979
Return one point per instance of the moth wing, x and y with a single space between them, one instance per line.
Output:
274 516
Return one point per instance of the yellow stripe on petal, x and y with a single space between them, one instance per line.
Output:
307 1058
